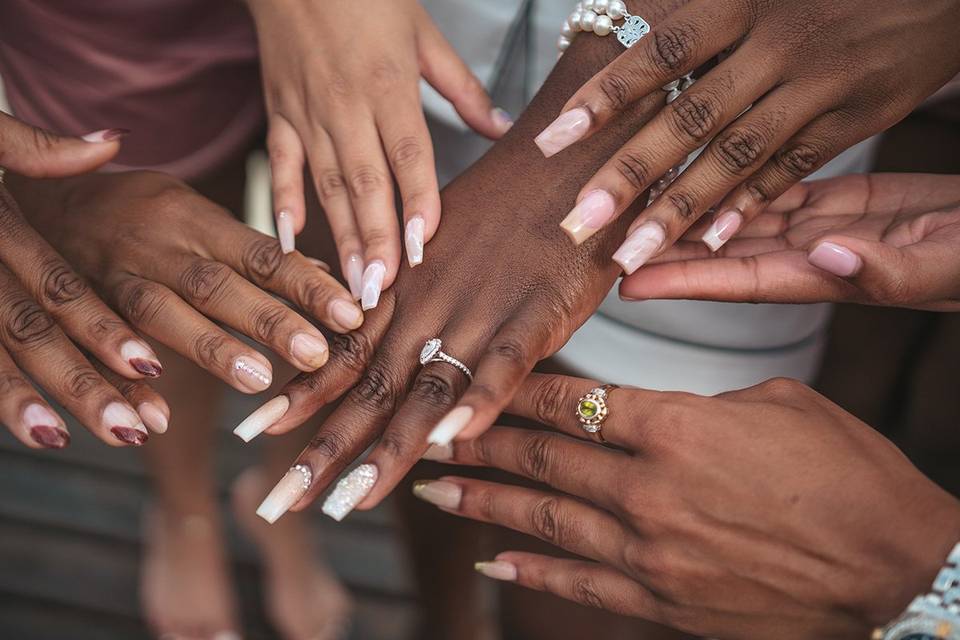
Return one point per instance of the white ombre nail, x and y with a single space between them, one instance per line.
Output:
438 492
438 453
285 231
452 424
291 488
262 419
252 374
413 239
350 491
372 284
722 229
354 275
641 245
564 131
498 570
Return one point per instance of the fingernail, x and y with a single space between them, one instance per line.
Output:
451 424
438 453
350 491
346 314
501 119
44 426
252 374
498 570
722 229
413 238
262 419
141 357
309 350
226 635
640 246
372 283
50 437
153 417
285 231
564 131
354 275
835 259
106 135
589 216
437 492
319 264
292 487
125 424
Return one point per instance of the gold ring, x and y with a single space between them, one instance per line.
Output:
592 410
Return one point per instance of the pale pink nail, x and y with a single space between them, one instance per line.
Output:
372 284
835 259
640 246
105 135
262 419
438 452
437 492
501 119
288 492
413 239
285 231
153 417
346 314
350 491
722 229
252 374
590 215
354 275
564 131
310 351
451 424
498 570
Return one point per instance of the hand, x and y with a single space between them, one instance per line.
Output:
169 259
885 239
767 512
817 77
342 84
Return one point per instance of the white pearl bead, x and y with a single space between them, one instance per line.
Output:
563 43
567 31
603 25
574 20
587 21
617 9
601 6
588 5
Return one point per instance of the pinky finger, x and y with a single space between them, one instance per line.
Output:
25 413
286 169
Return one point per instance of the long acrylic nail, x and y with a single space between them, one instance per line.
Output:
438 453
125 424
437 492
153 417
413 239
141 357
501 119
310 351
292 487
354 275
835 259
590 215
640 246
451 424
262 419
251 374
498 570
372 284
350 491
285 231
564 131
106 135
45 427
723 228
345 313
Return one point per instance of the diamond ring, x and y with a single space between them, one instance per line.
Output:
592 409
431 353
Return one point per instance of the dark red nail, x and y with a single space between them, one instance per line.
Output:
50 437
146 367
130 436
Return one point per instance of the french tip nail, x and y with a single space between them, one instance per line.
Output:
372 284
350 491
723 228
262 419
50 437
141 357
106 135
153 417
146 367
497 569
439 493
451 424
285 231
127 435
292 487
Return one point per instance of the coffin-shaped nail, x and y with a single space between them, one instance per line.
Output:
451 424
590 215
438 492
292 487
262 419
354 275
569 127
723 228
285 231
641 245
350 491
372 284
413 239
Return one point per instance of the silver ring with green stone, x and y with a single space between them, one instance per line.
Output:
592 409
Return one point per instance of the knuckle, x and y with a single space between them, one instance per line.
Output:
616 90
102 328
263 258
893 290
406 152
800 160
682 204
80 380
329 444
385 72
267 321
352 350
486 504
11 382
28 324
740 149
365 180
585 591
330 185
208 348
545 520
672 48
782 387
376 391
695 115
634 168
533 456
634 559
550 403
433 389
202 281
141 302
59 284
397 445
509 349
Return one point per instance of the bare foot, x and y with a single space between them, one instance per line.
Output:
304 599
185 584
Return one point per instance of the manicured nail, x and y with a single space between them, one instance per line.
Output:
292 487
309 350
640 246
45 427
262 419
354 275
564 131
125 424
372 284
501 119
50 437
451 424
153 417
346 314
835 259
141 357
722 229
251 374
413 239
350 491
285 231
589 216
438 453
442 494
319 264
498 570
226 635
106 135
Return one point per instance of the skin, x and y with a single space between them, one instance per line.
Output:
820 76
904 230
782 539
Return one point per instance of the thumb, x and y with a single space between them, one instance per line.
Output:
38 153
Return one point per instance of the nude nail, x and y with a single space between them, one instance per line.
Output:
125 424
106 135
501 119
498 570
262 419
153 417
285 231
835 259
722 229
45 427
451 424
564 131
354 275
437 492
350 491
346 314
292 487
310 351
641 245
413 239
226 635
251 374
372 284
590 215
141 357
438 453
